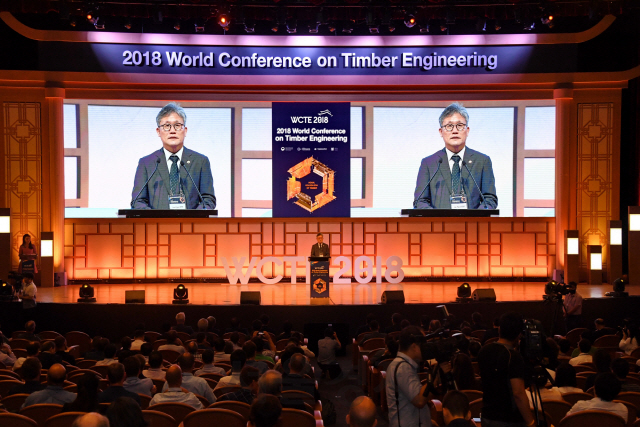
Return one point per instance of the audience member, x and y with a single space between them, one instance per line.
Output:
249 349
292 348
98 345
493 332
540 380
474 350
133 383
32 349
155 371
600 330
366 327
396 320
6 355
374 332
201 341
31 375
172 343
390 351
110 351
565 381
62 351
265 324
463 373
629 341
607 389
54 392
261 353
145 351
138 340
92 419
265 411
249 387
455 409
572 307
47 355
29 291
270 383
203 326
29 334
238 359
209 367
125 412
219 353
362 413
565 347
212 326
180 326
194 384
434 325
295 379
87 397
477 322
234 338
287 328
584 357
620 368
327 354
602 362
236 327
116 375
174 392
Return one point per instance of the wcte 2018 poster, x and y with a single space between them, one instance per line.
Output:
311 159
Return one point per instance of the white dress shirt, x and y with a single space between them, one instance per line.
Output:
154 373
168 154
597 404
450 154
229 380
581 358
196 385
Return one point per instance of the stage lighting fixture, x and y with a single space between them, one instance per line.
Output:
199 26
410 21
177 25
314 28
73 22
443 26
99 24
224 21
181 295
6 290
546 19
347 28
86 293
332 27
529 26
497 26
481 24
249 26
464 293
292 26
374 29
425 29
618 288
127 24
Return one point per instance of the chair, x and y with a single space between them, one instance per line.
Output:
373 344
583 368
475 407
82 340
212 383
159 384
224 390
298 395
281 345
215 377
203 400
5 386
607 341
557 409
73 388
479 334
296 418
581 381
184 337
491 340
632 412
435 406
16 420
631 397
472 394
63 420
18 343
225 366
157 343
241 408
9 373
574 336
144 401
178 411
592 419
572 398
20 352
214 416
14 402
78 374
7 377
48 335
158 419
152 336
41 412
86 363
103 370
170 355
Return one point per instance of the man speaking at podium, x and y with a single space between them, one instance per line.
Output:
320 249
173 177
455 177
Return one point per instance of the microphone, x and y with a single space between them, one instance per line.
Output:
145 184
194 183
474 181
415 202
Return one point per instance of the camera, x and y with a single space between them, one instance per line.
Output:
532 342
554 291
441 349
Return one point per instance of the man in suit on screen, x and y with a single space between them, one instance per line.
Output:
454 169
170 186
320 248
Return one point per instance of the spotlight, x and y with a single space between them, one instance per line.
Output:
481 24
73 22
314 28
6 290
347 28
618 288
224 21
410 21
497 26
332 27
127 24
546 19
529 26
464 293
249 26
374 29
275 27
199 26
425 29
99 24
181 295
292 26
177 25
86 293
443 26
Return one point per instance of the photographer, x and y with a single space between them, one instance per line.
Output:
502 370
629 341
406 397
572 307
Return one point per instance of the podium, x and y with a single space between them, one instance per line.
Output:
168 213
462 213
319 280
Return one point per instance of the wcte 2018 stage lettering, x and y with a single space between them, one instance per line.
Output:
364 269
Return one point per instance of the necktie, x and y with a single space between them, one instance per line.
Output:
174 177
455 174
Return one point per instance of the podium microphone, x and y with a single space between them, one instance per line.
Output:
145 184
194 183
474 181
415 202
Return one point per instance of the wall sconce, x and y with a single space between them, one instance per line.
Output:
594 253
572 256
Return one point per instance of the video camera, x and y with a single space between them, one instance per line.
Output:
554 291
532 342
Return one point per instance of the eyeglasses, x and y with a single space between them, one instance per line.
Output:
167 127
459 126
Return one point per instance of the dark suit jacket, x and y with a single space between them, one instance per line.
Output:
156 194
437 195
315 249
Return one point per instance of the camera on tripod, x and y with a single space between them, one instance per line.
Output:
554 291
532 342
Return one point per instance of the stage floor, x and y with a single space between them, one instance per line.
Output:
298 294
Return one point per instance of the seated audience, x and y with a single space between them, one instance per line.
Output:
234 339
265 412
172 343
565 381
261 353
477 322
47 355
145 351
463 373
629 341
607 389
327 354
110 351
474 349
565 347
54 392
584 357
98 345
287 329
29 334
362 413
219 353
174 392
201 341
212 326
600 330
194 384
434 325
365 328
238 358
92 419
249 349
264 319
133 383
125 412
6 355
236 327
545 393
374 332
116 376
396 323
180 326
62 351
203 326
33 348
620 368
31 375
138 340
493 332
87 397
249 382
209 367
602 361
455 409
295 379
155 371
